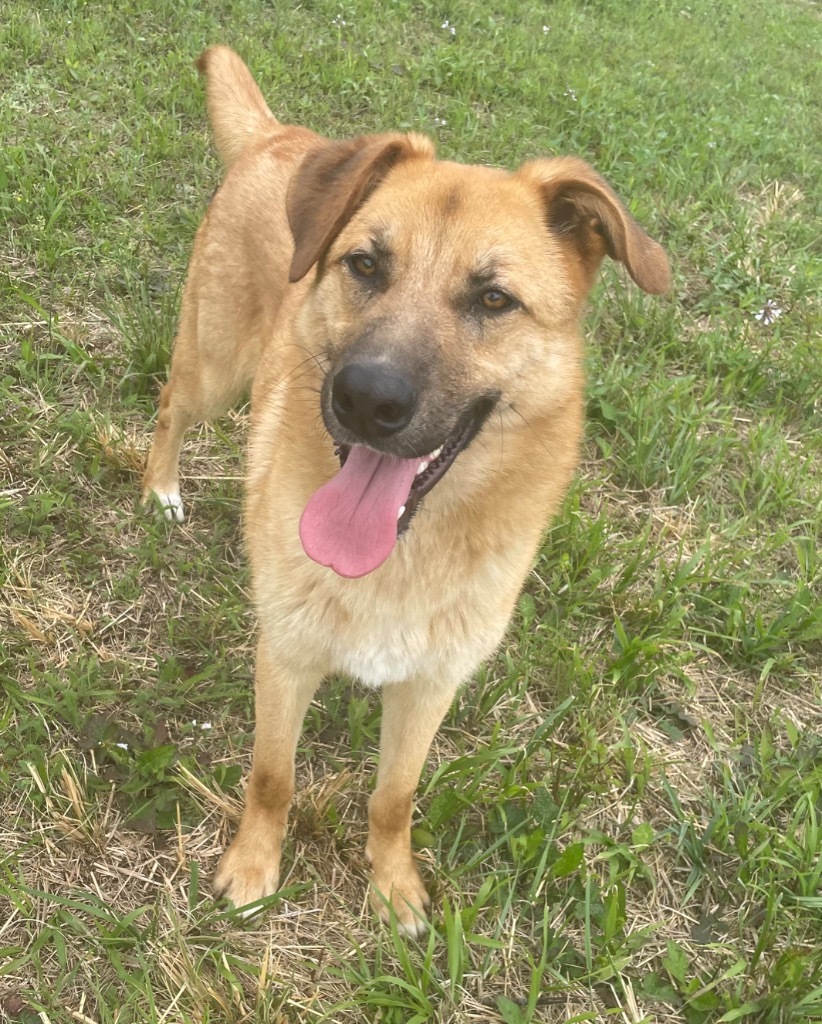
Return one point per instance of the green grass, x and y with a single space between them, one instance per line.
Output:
622 815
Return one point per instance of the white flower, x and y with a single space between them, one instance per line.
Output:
572 93
449 27
440 121
122 746
769 313
205 725
546 29
339 21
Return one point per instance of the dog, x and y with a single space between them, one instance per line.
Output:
409 329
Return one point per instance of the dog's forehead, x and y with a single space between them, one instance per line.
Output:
466 193
468 216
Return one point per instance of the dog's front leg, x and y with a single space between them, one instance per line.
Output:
250 868
412 713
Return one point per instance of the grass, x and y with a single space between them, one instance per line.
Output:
622 815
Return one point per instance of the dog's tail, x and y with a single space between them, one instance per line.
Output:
236 107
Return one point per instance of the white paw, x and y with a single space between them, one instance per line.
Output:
171 504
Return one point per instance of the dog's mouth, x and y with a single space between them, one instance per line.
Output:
352 523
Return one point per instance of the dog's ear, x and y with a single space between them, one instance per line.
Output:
333 181
583 209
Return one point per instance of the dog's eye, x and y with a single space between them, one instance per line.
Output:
362 264
495 300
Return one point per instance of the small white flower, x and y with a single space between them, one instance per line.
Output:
339 21
440 121
769 313
205 725
546 29
449 27
572 93
122 746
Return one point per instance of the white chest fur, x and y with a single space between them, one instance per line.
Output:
395 624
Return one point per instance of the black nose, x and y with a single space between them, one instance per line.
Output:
372 400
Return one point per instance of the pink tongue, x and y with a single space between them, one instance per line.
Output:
350 524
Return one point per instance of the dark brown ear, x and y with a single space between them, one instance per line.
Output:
582 207
335 179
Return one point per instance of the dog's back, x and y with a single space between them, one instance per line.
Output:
239 269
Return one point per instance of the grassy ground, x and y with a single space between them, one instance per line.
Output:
622 815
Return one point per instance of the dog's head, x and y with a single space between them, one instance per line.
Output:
443 293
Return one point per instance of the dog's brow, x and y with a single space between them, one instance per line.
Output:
487 270
381 243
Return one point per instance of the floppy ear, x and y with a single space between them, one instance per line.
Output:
335 179
582 208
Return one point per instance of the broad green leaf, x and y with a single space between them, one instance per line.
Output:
568 861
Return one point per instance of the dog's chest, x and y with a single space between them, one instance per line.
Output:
434 634
385 649
392 628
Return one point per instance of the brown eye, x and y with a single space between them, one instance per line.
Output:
495 300
363 264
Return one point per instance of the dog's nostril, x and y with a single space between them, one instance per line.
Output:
372 400
389 413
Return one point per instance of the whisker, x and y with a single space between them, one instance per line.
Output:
317 358
530 426
293 389
308 369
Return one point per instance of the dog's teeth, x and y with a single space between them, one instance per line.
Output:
423 467
436 454
401 512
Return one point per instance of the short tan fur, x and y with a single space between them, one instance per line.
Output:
272 302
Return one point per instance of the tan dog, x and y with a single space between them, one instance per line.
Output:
411 330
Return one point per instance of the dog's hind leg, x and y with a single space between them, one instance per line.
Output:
412 713
210 370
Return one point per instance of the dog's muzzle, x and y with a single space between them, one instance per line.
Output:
351 524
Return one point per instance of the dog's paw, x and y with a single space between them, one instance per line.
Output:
248 873
399 888
169 501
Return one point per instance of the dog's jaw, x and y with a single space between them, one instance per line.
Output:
434 466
